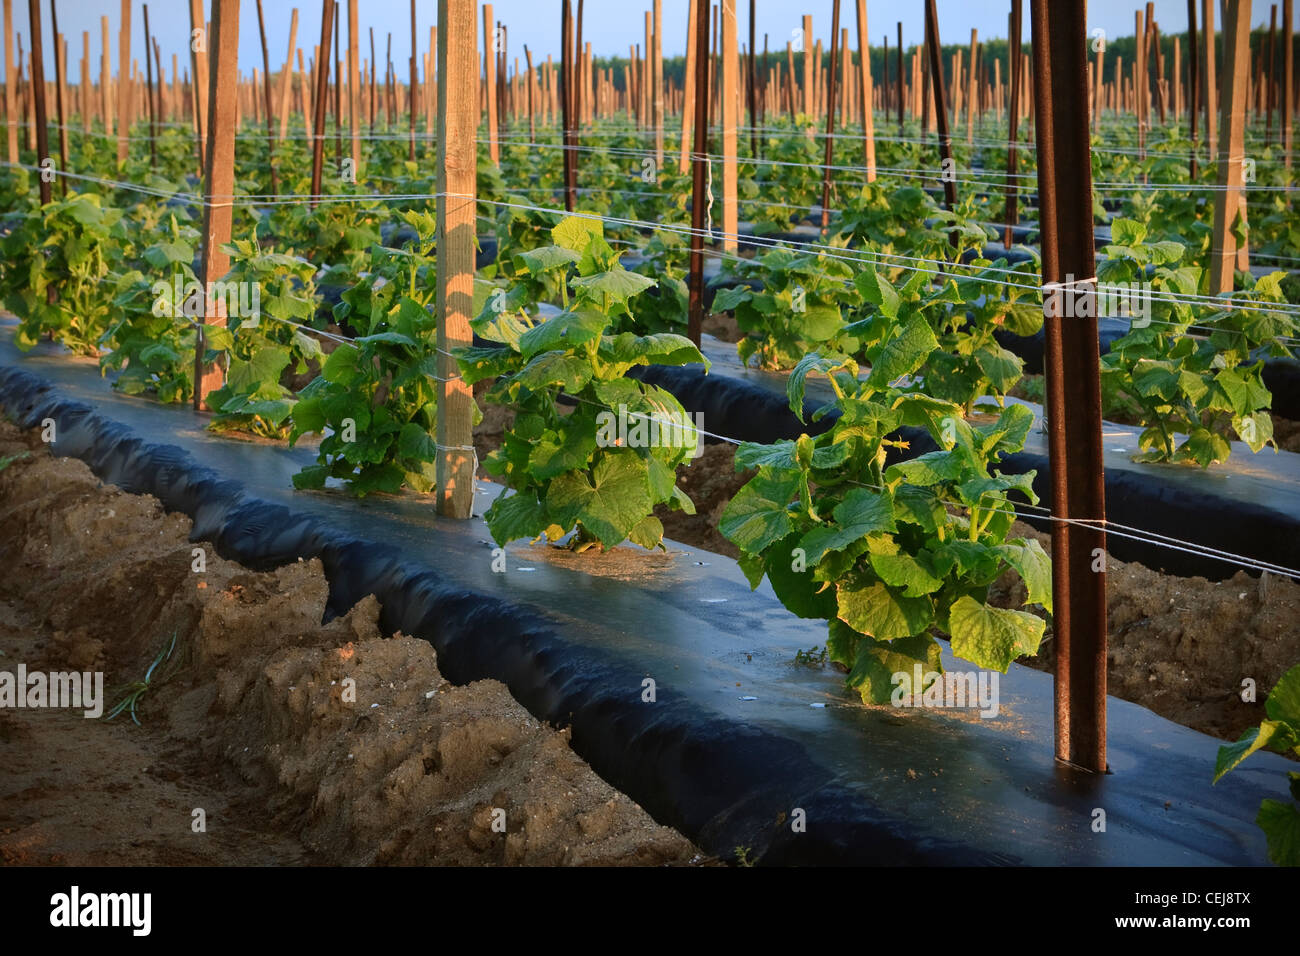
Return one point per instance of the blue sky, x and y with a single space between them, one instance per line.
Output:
610 25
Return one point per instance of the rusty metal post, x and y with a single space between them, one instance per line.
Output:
699 167
37 65
830 115
1193 80
940 106
1013 118
1072 365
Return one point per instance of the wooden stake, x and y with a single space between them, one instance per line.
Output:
457 167
85 81
1229 201
199 70
689 84
657 84
865 106
490 74
320 97
124 82
286 75
218 184
11 83
1210 87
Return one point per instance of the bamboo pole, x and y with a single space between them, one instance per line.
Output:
218 183
457 163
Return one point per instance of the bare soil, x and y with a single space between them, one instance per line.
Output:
301 743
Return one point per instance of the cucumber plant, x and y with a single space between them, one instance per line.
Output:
375 401
800 307
1280 821
572 469
69 247
1201 379
888 554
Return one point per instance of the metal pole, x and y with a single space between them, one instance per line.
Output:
830 115
940 106
37 64
1072 365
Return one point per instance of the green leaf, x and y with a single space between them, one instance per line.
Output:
903 354
877 291
877 611
546 259
1270 733
416 444
914 574
1127 232
1284 699
1281 825
925 471
556 453
575 232
992 637
648 533
616 286
876 663
568 330
341 366
265 365
610 503
520 515
757 516
570 372
1033 565
862 512
794 584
